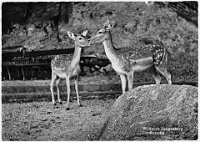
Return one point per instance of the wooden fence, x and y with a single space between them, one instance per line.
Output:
22 63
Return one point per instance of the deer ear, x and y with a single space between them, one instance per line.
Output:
84 33
71 35
111 24
105 25
108 25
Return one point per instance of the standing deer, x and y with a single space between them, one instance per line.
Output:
128 60
68 67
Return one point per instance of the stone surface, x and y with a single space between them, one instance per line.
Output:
153 112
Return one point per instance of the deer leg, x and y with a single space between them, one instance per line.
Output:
23 73
130 80
165 73
58 91
9 76
155 75
53 78
123 80
68 91
77 93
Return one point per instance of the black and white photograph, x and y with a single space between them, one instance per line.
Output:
99 70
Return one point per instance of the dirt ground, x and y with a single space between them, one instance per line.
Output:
43 121
40 120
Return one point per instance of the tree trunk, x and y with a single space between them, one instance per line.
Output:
65 11
29 12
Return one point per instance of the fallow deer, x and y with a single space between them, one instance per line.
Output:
128 60
68 67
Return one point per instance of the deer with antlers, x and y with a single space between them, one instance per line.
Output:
128 60
68 67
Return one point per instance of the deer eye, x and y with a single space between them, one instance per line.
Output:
100 32
80 38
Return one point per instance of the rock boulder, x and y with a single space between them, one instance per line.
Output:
153 112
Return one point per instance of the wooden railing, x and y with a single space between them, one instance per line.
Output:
17 61
37 53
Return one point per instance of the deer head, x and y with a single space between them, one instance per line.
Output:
103 33
80 39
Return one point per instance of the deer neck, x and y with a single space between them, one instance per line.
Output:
76 56
110 51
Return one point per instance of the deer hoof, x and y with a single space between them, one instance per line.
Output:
81 105
67 109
